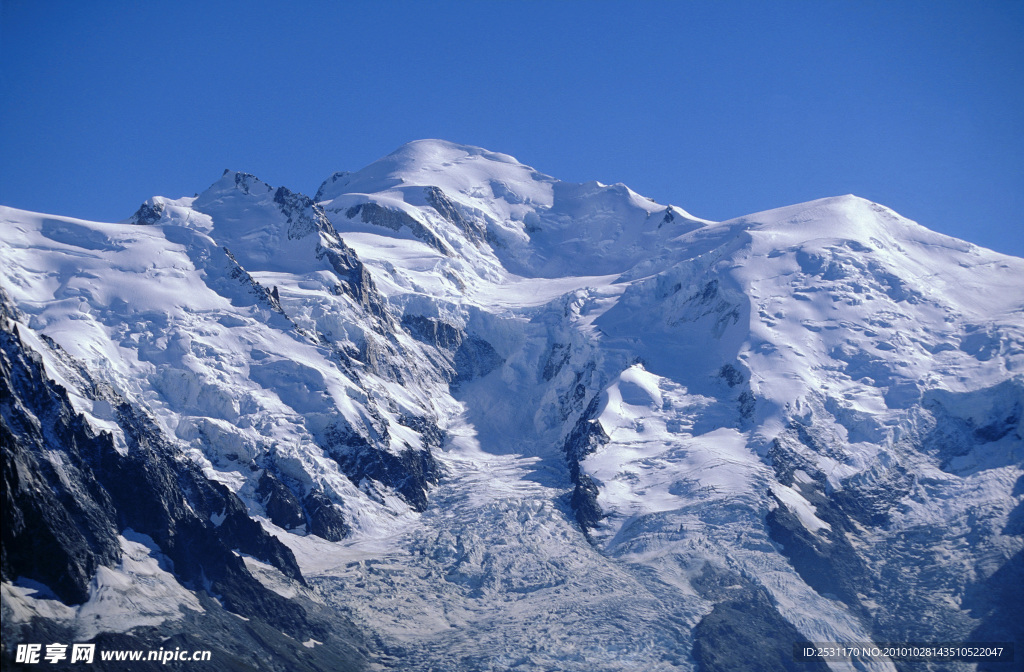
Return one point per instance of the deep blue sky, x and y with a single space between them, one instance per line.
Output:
723 108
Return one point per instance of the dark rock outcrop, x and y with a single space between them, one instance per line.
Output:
354 279
304 216
68 493
475 358
586 437
282 506
433 331
451 212
148 214
325 520
378 215
744 630
59 523
409 473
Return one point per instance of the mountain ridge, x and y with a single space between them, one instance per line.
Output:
537 409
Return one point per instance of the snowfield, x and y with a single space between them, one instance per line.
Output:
506 422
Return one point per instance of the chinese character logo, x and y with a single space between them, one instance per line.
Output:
83 653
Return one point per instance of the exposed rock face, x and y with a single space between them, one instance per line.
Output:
451 212
325 520
60 524
282 507
148 213
69 494
475 358
743 630
396 220
303 216
432 330
586 437
410 473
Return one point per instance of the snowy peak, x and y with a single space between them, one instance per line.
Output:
233 180
531 418
846 236
327 186
265 228
493 190
157 209
452 167
491 210
849 217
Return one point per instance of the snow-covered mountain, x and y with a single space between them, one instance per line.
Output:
454 414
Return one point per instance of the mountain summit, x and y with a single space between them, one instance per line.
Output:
453 413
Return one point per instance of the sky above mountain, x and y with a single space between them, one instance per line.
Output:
720 108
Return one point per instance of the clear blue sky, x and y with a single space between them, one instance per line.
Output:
723 108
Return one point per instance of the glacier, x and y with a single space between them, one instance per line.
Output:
451 413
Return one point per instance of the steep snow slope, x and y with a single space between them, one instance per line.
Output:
508 422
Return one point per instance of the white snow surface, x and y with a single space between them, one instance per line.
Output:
704 343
